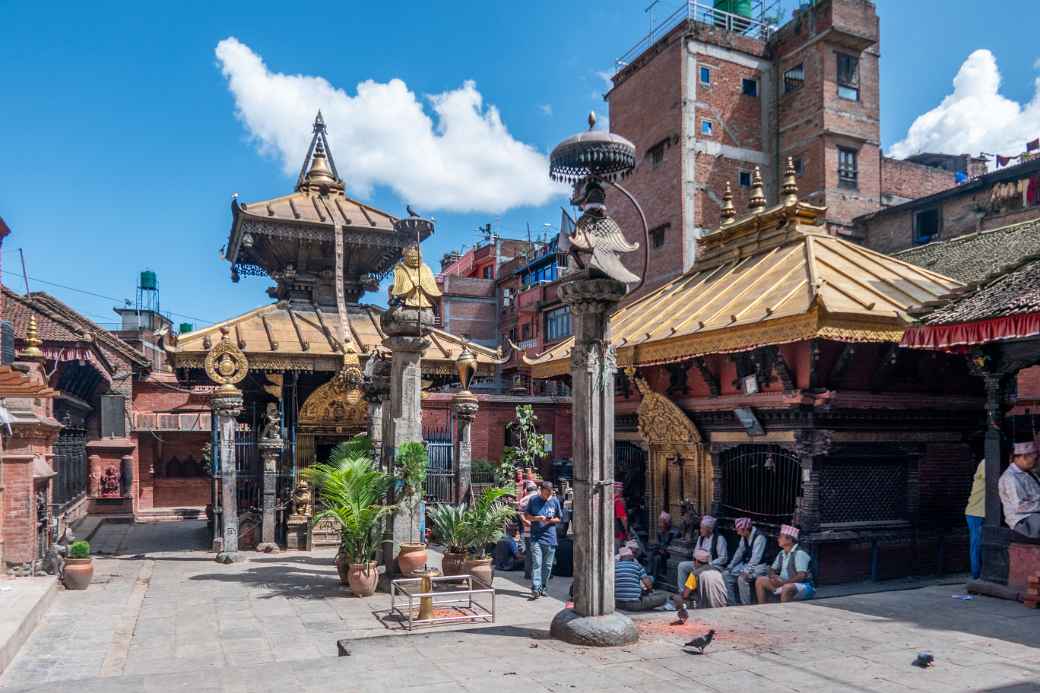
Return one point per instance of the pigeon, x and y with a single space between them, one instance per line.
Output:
702 642
682 614
411 212
924 660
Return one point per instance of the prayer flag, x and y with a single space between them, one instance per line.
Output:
1033 146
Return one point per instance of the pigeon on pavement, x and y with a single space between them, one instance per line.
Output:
702 642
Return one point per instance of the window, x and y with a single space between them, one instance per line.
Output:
926 226
557 324
512 334
707 127
794 79
656 153
488 272
749 87
657 235
744 179
799 166
525 331
848 77
847 169
705 73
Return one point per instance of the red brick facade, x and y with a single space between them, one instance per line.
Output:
902 181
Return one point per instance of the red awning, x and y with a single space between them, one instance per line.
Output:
960 336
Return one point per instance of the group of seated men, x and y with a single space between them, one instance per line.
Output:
712 578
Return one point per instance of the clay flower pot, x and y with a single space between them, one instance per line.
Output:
363 578
78 573
411 558
342 567
479 568
453 563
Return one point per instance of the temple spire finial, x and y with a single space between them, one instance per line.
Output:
728 212
32 351
757 202
319 169
789 191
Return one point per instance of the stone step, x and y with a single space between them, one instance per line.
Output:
170 514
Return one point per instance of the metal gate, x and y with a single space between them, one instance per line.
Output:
70 463
760 481
440 474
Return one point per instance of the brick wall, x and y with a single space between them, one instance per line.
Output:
154 452
181 493
906 180
19 510
946 473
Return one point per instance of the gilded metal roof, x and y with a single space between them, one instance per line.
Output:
770 278
284 337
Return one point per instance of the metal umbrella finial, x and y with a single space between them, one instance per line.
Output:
592 119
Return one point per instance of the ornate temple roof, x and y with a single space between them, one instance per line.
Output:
282 336
773 277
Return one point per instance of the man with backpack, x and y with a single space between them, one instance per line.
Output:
790 577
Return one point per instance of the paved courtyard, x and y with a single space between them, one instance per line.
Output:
161 615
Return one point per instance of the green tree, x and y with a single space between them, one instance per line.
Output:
530 445
411 461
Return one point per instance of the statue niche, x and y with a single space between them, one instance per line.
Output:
337 406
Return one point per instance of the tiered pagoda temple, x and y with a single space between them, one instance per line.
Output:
306 350
767 382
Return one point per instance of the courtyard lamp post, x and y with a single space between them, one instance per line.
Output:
591 160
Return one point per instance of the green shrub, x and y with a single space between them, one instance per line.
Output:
79 549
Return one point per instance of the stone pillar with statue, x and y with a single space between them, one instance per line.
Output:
466 406
226 365
270 445
592 289
406 324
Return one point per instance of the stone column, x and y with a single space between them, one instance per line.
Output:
406 330
593 620
466 407
227 405
270 452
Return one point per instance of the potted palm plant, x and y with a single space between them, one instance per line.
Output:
79 566
448 529
352 490
483 525
411 461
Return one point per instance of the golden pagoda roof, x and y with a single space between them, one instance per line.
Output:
281 336
773 277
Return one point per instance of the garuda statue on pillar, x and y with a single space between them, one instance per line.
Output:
414 285
597 242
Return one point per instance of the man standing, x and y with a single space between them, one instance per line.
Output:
711 542
1020 492
633 588
530 491
975 514
543 512
789 577
747 563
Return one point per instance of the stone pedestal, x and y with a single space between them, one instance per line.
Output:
270 451
466 407
593 621
227 405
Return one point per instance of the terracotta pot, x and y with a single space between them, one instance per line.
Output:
411 558
479 568
342 567
78 573
453 563
363 578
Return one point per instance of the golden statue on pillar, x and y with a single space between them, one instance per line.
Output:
414 285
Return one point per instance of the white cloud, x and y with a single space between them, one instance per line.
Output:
607 77
975 117
461 160
546 109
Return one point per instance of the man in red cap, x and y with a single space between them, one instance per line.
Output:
1020 492
789 577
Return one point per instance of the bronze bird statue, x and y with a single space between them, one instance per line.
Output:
597 242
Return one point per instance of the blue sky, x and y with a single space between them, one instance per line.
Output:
120 147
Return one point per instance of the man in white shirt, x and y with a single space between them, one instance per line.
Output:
746 564
711 542
790 577
1020 492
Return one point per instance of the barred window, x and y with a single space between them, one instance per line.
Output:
794 79
557 324
848 170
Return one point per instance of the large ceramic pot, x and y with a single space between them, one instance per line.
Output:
453 563
363 578
78 573
411 558
342 567
479 568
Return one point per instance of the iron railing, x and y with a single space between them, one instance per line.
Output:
440 475
70 463
760 481
693 11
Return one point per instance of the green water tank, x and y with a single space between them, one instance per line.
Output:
737 7
185 328
149 281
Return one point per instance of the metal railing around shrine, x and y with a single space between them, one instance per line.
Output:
760 481
440 476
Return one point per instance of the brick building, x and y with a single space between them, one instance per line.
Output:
994 200
710 96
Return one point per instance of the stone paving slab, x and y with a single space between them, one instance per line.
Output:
23 604
163 616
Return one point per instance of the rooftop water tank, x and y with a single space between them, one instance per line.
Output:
737 7
185 328
149 282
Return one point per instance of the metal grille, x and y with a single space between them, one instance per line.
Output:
852 492
70 462
760 481
440 486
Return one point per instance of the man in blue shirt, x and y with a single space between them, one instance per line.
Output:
544 513
507 553
632 585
